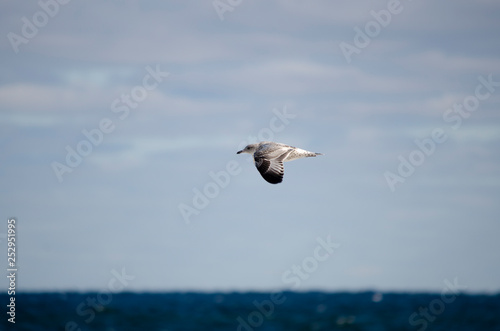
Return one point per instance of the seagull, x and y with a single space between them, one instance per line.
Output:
269 157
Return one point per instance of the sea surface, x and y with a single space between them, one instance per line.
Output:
288 311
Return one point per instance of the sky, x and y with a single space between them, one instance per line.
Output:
120 122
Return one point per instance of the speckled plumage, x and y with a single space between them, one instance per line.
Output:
269 157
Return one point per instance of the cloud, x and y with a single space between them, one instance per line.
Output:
451 64
38 98
129 151
225 79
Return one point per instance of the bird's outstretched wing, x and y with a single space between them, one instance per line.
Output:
271 169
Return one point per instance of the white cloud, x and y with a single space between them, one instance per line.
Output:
36 97
433 60
29 120
132 152
52 99
226 76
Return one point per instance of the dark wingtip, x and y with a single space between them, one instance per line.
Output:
272 179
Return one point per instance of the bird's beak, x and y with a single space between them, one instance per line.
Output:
239 152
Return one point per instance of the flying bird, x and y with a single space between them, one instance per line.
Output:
269 157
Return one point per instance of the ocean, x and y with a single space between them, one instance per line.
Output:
370 311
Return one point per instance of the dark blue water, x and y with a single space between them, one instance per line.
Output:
252 311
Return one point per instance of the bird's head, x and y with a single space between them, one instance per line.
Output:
250 149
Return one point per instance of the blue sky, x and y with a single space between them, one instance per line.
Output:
156 97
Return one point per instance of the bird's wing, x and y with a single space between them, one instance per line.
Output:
271 169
